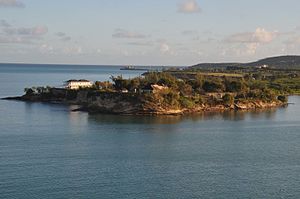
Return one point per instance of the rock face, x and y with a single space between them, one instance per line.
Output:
114 103
136 104
257 105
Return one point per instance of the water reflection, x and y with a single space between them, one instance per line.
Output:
263 113
204 116
289 113
132 119
81 118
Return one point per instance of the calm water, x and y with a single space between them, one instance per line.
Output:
46 151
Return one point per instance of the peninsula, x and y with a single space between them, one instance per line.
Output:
215 87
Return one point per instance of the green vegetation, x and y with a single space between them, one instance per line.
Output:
37 90
178 90
183 89
189 89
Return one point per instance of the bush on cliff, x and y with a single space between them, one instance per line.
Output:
282 98
228 99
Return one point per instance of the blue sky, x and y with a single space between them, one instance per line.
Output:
147 32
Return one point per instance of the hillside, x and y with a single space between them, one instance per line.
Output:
280 62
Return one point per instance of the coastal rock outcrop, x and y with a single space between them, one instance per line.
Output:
137 103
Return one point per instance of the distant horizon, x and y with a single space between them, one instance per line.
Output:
114 32
119 65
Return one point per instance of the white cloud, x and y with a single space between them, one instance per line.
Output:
34 31
263 36
47 48
189 6
247 43
164 48
121 33
21 35
260 35
238 51
251 48
11 3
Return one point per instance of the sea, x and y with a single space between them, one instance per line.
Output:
47 151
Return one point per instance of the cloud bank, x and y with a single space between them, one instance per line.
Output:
11 3
260 35
21 34
33 31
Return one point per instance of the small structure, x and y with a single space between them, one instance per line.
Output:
76 84
263 66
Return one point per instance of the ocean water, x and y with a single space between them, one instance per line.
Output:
47 151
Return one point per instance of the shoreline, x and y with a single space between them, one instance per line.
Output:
155 111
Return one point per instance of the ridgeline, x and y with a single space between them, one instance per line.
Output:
280 62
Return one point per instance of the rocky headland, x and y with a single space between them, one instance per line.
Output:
138 103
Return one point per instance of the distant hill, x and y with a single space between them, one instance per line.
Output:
215 65
278 62
273 62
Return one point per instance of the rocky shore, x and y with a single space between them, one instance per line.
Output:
136 104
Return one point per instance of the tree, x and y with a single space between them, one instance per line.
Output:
28 91
134 84
197 83
119 82
185 89
213 86
151 78
167 80
258 85
235 86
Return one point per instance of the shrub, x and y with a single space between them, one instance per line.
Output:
186 102
282 98
228 99
213 86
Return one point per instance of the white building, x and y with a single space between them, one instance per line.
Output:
76 84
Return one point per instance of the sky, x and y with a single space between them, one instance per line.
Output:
147 32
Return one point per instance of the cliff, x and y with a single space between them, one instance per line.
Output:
138 104
115 104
